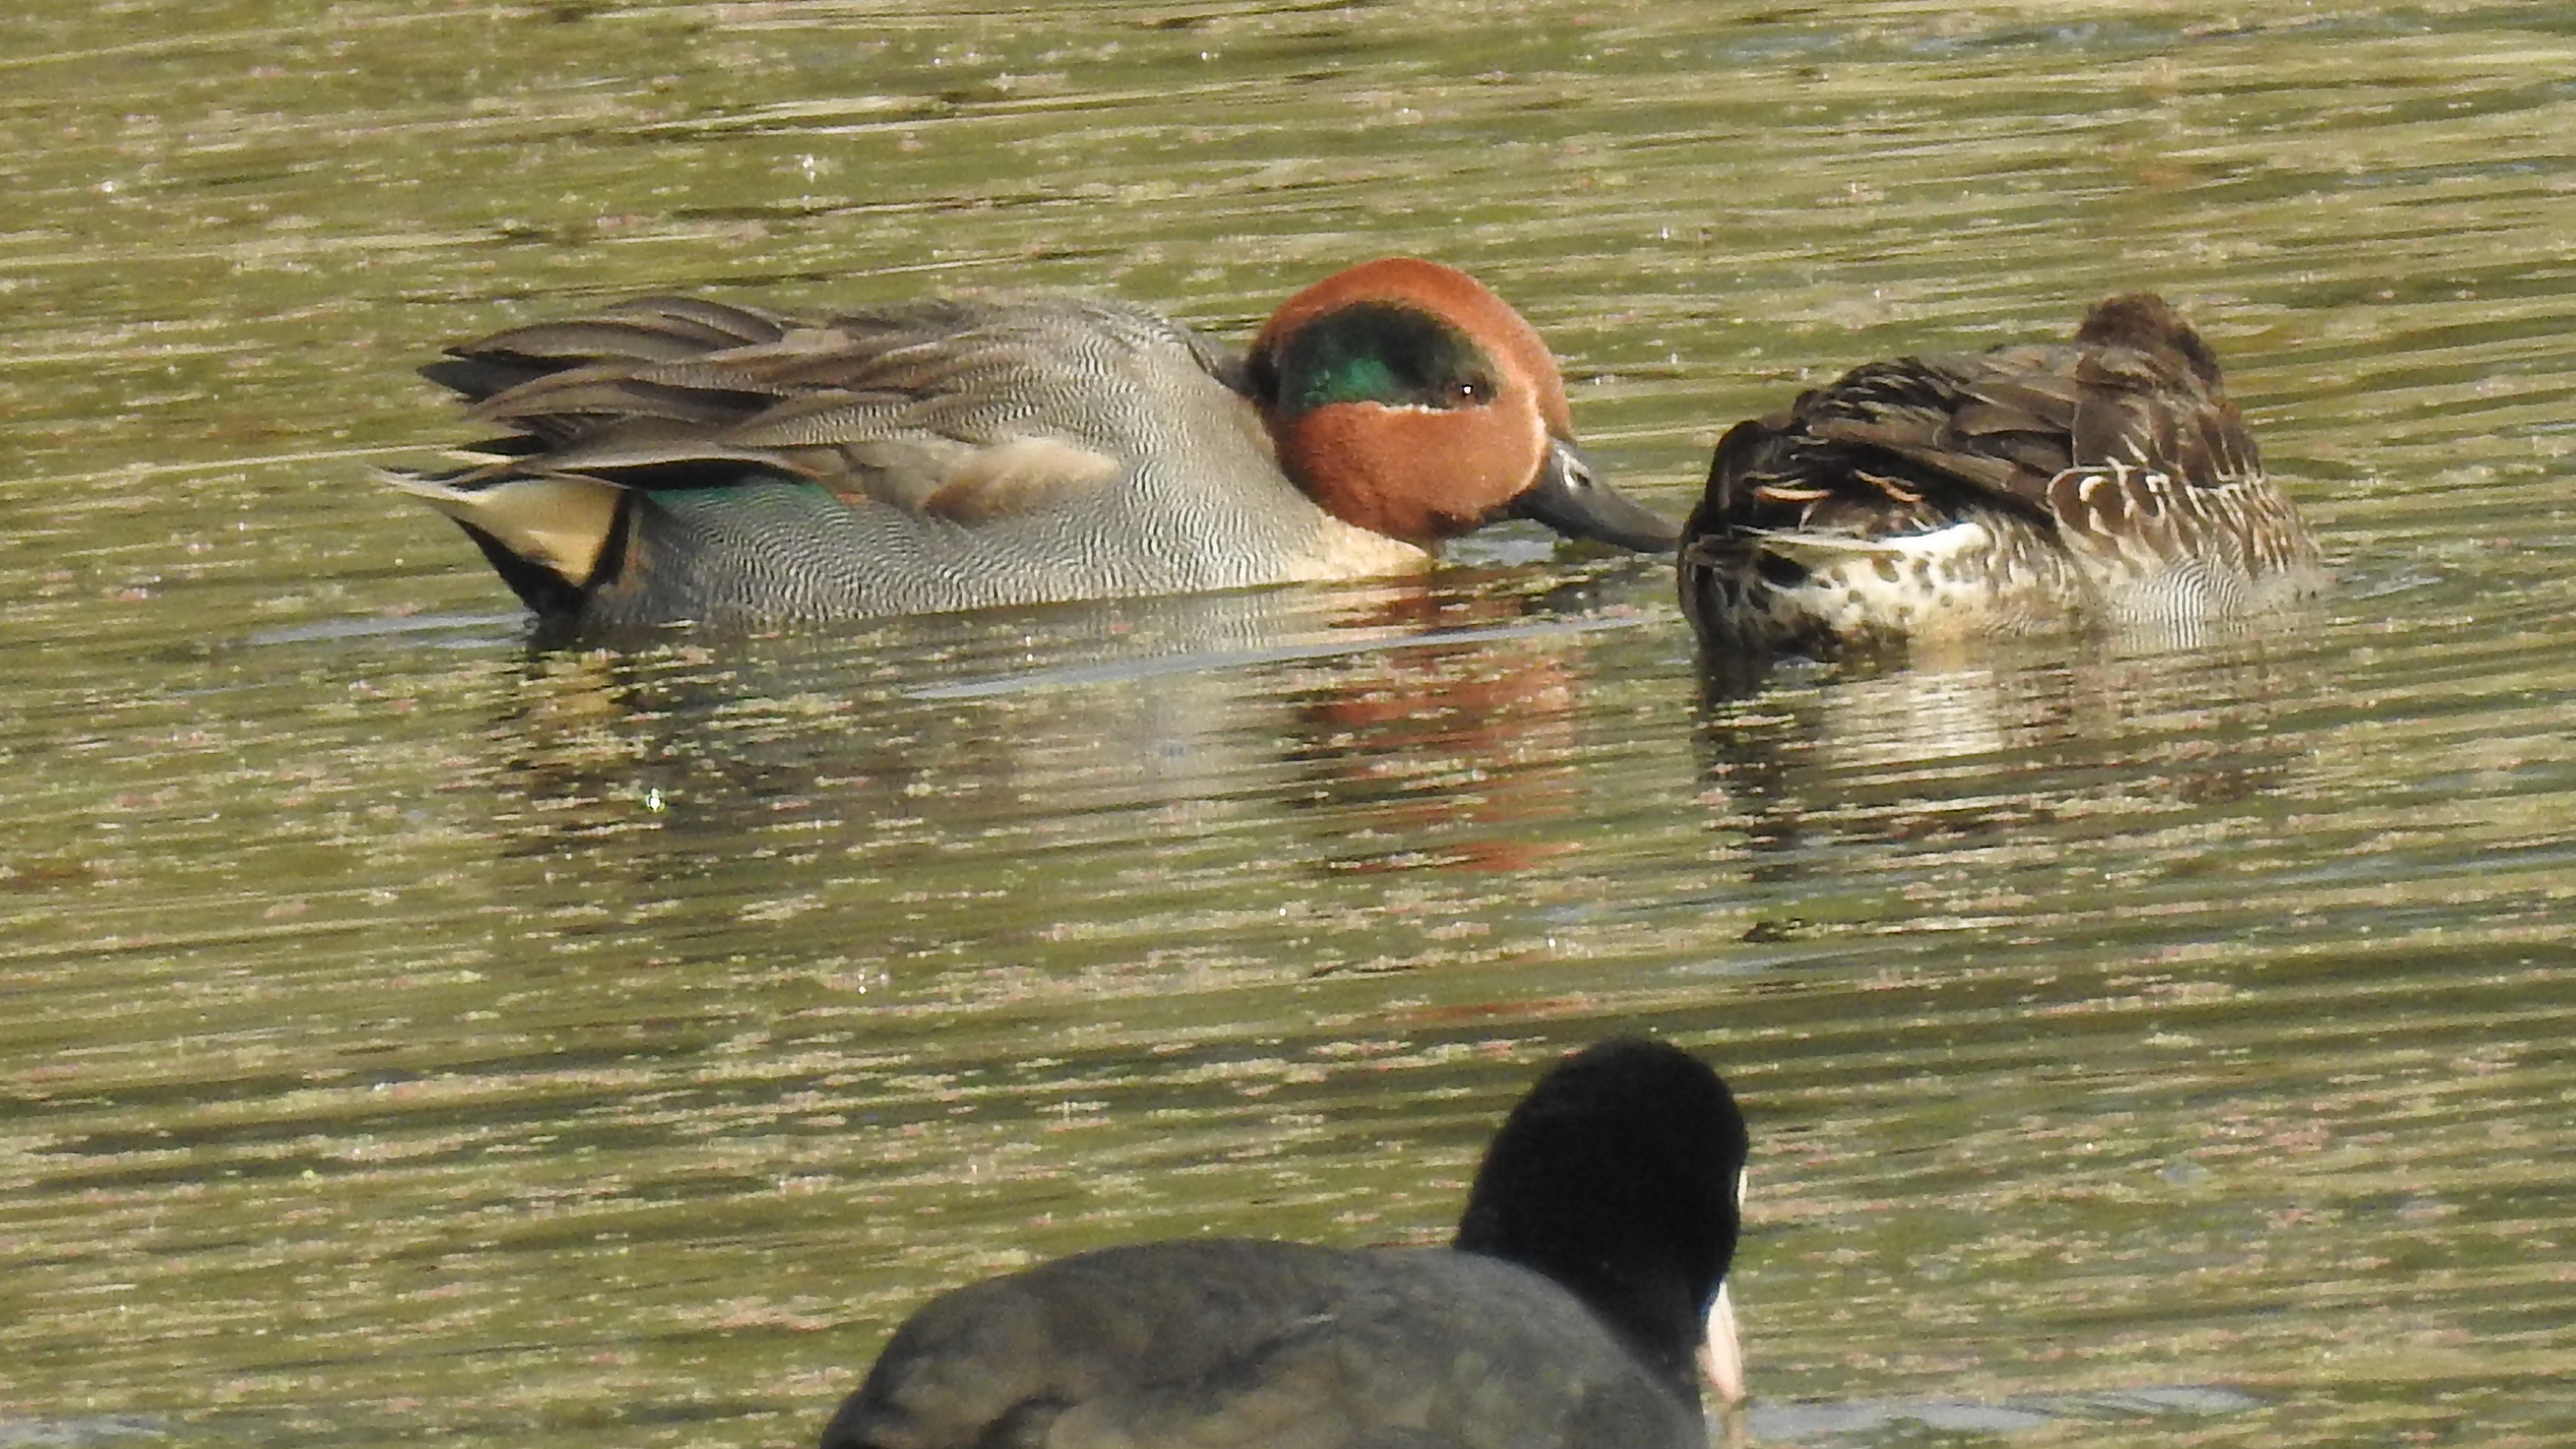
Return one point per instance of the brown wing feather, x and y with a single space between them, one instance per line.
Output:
915 405
1897 446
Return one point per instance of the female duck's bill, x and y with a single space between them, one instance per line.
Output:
2104 482
1588 1270
672 460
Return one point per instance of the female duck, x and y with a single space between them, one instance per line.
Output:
1580 1306
2105 481
672 460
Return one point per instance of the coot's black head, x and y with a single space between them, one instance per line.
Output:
1619 1176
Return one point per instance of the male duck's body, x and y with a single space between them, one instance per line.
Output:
677 460
2106 481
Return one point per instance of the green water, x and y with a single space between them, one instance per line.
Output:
404 1034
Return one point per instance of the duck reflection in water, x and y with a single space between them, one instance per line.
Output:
1359 728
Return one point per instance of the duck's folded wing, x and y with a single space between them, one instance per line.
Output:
642 332
2031 423
2003 430
969 412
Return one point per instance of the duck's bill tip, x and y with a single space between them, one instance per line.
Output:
1721 1353
1571 498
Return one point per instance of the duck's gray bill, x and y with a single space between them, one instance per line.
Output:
1571 498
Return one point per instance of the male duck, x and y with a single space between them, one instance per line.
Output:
673 460
2104 481
1587 1275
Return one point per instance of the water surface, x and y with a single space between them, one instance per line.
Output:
410 1033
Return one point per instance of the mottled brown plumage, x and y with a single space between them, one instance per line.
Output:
2104 480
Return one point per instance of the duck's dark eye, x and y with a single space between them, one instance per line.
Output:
1475 392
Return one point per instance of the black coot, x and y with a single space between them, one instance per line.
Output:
1589 1266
